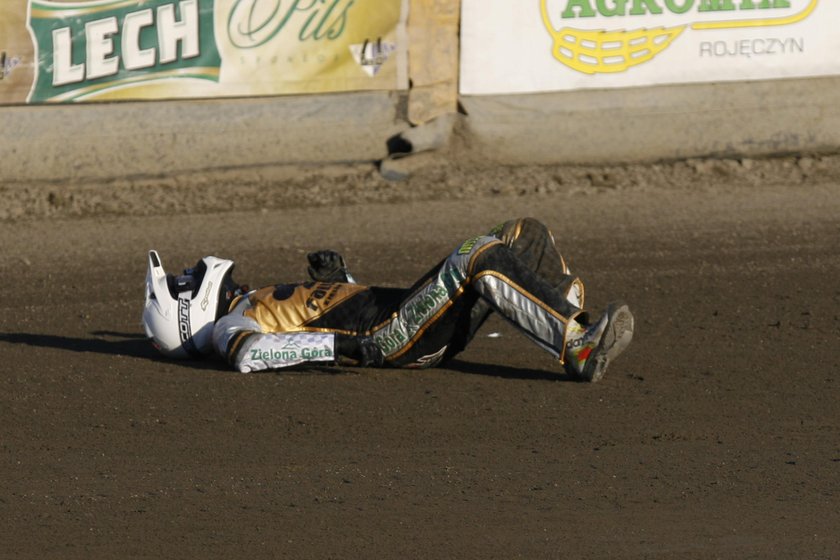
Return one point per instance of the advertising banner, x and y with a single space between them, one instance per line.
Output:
94 50
511 46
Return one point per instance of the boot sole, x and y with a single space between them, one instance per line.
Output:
617 337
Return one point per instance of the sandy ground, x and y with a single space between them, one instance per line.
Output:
715 436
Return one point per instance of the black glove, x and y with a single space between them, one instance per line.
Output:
327 266
359 350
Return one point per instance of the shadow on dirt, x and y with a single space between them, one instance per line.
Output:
133 345
506 372
104 342
137 346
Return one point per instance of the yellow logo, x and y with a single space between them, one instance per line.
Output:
598 51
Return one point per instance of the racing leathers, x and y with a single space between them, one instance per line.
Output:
515 270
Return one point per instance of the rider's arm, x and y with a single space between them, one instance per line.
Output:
240 341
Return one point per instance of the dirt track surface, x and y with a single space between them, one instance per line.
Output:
717 435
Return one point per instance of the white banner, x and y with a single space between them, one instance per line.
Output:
516 46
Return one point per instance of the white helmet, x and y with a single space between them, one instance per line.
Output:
180 310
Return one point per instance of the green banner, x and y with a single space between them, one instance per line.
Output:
91 47
105 50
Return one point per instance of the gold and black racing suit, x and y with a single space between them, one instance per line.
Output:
515 270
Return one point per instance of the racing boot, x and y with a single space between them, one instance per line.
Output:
591 347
